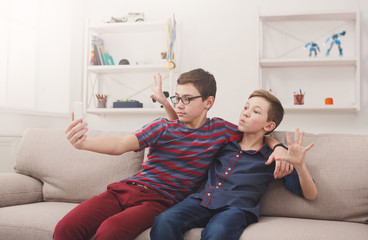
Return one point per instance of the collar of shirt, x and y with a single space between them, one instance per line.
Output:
264 150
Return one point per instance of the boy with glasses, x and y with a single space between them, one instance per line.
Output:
178 159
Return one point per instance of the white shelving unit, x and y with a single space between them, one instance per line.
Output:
141 43
285 67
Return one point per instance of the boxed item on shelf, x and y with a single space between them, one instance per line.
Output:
128 104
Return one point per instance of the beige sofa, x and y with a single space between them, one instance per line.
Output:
51 178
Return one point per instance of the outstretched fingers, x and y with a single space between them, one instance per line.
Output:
301 138
296 137
309 147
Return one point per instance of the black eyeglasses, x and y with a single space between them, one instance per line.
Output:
184 100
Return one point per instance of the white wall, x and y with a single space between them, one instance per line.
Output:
13 122
221 37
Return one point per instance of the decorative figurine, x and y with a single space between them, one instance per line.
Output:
124 62
131 17
313 47
136 16
117 19
335 40
328 101
171 38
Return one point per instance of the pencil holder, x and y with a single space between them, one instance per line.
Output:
298 99
101 103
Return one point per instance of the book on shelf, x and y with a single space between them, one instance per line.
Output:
99 56
108 60
96 60
97 44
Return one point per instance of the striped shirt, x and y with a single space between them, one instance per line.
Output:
179 157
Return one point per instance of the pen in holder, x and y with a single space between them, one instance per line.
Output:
299 98
101 100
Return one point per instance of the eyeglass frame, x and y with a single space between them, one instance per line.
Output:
176 100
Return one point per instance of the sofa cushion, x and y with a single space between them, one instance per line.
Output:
32 221
303 229
69 174
19 189
339 165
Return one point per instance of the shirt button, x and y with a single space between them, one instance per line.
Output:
219 184
216 186
209 194
237 155
226 173
240 152
229 169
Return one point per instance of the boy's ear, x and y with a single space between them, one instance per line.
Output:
270 126
210 101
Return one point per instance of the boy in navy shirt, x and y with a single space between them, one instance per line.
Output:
238 176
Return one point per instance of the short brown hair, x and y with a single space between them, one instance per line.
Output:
276 111
202 80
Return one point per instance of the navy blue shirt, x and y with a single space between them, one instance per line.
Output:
239 178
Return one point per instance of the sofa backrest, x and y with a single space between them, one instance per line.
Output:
69 174
339 166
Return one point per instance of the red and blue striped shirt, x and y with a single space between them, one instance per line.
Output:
179 157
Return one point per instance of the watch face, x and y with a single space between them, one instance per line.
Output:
124 62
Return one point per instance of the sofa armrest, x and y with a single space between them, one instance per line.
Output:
18 189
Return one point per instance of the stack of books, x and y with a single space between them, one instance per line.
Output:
98 54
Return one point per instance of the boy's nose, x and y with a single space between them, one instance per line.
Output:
179 105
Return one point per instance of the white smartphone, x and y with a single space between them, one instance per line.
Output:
78 109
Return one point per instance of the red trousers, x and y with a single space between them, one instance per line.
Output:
123 211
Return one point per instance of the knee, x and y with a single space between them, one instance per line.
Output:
65 230
160 222
165 228
113 230
164 220
214 232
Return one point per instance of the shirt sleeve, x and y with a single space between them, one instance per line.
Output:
150 133
232 132
292 183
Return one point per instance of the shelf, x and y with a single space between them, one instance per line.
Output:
315 16
125 110
103 69
139 42
129 27
307 62
284 65
323 107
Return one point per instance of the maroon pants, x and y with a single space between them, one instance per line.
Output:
123 211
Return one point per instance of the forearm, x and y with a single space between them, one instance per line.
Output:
307 184
170 111
111 145
271 142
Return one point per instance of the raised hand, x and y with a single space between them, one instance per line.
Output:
282 168
157 93
75 133
296 153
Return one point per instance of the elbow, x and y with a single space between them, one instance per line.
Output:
311 196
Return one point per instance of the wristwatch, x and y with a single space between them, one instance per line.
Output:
279 145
